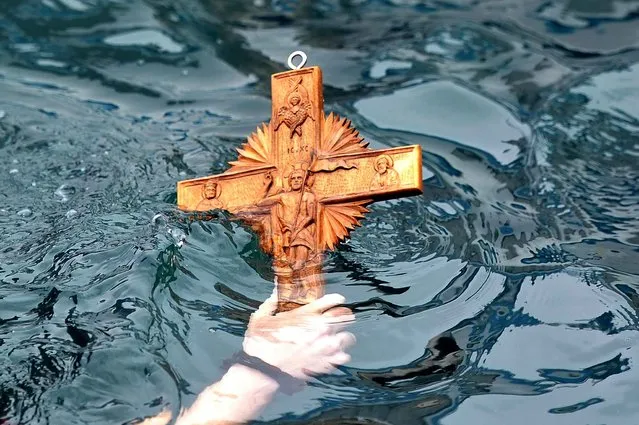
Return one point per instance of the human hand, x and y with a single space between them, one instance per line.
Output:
302 342
268 180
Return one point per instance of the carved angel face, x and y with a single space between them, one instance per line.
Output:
296 179
210 190
295 99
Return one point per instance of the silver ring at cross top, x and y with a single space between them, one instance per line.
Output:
292 56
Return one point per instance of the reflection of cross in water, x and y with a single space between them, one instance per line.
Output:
282 188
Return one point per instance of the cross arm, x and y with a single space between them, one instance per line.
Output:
360 175
235 191
344 184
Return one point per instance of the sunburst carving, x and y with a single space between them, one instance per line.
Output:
339 137
256 151
337 221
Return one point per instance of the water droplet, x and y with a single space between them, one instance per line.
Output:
33 184
2 114
157 217
178 235
64 192
71 213
25 212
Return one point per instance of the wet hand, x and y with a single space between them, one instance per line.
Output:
303 342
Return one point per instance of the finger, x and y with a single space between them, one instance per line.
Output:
313 327
269 306
339 359
329 364
334 344
338 311
326 346
339 318
346 339
329 345
320 367
301 335
322 304
325 325
338 323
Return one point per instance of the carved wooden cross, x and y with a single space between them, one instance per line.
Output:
303 182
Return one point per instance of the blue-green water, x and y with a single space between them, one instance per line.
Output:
507 293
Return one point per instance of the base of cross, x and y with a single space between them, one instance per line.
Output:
298 287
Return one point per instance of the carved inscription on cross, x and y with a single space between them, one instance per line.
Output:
303 182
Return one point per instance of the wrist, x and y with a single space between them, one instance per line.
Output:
285 382
245 379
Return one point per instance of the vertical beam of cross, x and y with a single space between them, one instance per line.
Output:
303 182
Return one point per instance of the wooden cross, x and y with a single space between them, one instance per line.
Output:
303 182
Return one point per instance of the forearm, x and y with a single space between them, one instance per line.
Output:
235 399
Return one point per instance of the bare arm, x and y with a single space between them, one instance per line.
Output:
267 201
235 399
301 342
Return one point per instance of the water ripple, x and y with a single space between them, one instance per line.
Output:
502 294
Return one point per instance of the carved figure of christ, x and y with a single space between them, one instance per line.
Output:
303 183
294 216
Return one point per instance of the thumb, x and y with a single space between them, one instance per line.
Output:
269 306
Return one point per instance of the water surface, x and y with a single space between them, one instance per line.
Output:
507 293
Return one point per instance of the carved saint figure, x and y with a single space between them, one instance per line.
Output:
210 197
387 176
298 108
294 215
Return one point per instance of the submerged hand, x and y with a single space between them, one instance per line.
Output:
303 342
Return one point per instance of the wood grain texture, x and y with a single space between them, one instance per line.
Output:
303 182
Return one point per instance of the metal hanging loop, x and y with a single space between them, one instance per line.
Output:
302 56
